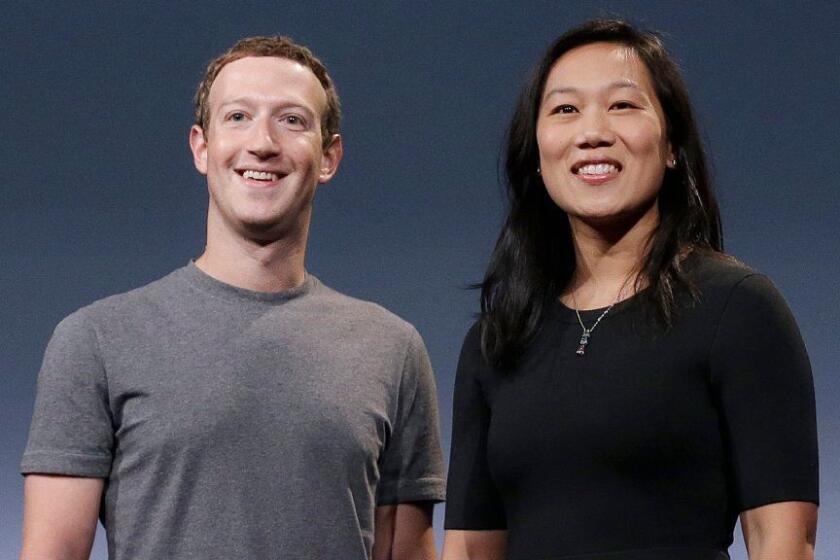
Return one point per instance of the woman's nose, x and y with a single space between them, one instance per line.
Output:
595 131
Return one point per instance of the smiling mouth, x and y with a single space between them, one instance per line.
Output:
256 176
596 168
596 172
260 175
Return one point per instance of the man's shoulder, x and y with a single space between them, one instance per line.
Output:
126 304
361 315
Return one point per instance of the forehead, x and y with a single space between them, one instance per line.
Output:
598 64
268 79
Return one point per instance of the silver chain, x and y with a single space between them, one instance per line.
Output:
585 333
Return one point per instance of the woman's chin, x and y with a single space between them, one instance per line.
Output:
611 218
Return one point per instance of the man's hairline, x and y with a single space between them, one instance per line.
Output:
326 141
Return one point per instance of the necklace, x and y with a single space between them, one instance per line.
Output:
585 333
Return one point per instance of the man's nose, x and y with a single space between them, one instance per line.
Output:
264 142
595 131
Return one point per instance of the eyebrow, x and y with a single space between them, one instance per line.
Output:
618 84
238 101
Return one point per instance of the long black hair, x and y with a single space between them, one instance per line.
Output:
534 258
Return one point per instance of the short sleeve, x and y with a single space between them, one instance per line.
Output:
762 376
71 431
472 500
412 463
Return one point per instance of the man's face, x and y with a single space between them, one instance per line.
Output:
263 152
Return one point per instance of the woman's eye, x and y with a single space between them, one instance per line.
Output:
565 109
623 105
237 116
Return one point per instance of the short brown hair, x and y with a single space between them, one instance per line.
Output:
280 47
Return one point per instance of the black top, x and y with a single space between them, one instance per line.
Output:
650 444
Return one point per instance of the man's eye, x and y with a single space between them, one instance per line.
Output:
237 116
293 120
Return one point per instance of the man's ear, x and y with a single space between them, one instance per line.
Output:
198 146
333 153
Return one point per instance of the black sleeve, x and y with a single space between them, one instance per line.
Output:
762 377
472 501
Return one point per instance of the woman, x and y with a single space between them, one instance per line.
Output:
629 390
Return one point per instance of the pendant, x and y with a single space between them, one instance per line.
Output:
584 340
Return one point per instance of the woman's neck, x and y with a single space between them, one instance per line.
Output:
608 261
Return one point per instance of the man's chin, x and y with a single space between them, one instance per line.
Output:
266 232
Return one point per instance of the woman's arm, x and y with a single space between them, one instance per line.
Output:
474 545
782 530
765 390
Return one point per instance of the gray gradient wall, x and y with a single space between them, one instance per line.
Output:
99 194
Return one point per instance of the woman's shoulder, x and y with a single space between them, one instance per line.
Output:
472 363
471 347
725 279
710 269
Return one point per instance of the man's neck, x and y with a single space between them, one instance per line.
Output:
275 266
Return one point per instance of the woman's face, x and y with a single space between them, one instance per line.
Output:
602 136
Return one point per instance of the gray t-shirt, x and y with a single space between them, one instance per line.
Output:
237 424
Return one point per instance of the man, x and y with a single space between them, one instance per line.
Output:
238 408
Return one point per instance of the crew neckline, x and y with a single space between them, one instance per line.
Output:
203 281
568 314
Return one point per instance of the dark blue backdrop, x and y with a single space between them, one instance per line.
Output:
99 194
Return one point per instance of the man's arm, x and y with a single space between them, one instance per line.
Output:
59 516
412 478
782 530
404 532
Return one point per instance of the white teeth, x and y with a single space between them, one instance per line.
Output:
598 169
260 175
